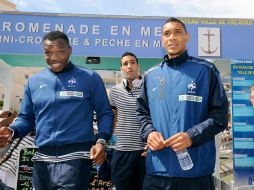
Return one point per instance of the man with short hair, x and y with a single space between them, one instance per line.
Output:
127 164
59 102
182 106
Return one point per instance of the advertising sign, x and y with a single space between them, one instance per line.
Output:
243 122
110 36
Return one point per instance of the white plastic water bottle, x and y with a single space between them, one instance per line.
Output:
184 159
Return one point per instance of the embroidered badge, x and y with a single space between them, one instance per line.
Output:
71 93
192 87
72 82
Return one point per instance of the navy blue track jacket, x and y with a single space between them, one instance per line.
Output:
61 107
183 94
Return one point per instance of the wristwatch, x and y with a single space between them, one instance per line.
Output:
101 141
13 133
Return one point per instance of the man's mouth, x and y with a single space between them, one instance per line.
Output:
172 45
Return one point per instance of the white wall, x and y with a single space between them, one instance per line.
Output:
13 81
5 80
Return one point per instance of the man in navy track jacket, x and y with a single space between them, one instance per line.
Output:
182 105
59 102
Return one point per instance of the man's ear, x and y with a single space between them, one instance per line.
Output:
188 37
70 50
162 44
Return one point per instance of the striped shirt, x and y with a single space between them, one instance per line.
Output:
127 126
54 159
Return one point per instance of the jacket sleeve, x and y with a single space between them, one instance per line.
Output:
25 122
217 119
143 113
102 108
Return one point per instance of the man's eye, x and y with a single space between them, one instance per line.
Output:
61 52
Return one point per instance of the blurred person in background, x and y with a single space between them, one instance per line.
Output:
127 164
252 95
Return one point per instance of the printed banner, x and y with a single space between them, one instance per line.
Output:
110 36
243 122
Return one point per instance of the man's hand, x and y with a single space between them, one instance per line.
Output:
98 153
178 141
5 136
155 141
4 114
144 154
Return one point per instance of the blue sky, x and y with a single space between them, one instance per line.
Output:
176 8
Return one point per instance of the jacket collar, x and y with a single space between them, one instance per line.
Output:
176 60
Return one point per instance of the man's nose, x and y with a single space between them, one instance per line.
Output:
53 56
172 36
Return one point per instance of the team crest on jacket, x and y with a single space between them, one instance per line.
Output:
72 82
192 87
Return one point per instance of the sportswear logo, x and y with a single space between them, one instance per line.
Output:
72 82
154 89
41 86
192 86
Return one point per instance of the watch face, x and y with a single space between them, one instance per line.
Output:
101 141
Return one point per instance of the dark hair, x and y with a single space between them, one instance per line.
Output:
54 35
172 19
130 54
